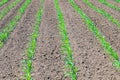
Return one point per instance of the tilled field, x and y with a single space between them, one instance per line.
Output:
59 40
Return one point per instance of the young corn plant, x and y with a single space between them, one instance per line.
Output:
27 63
5 32
117 1
8 8
109 5
103 12
3 2
71 70
91 26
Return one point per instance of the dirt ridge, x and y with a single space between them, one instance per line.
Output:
12 53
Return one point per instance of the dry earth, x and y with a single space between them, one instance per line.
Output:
48 63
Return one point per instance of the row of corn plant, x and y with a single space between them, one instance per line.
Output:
109 5
104 13
5 32
71 70
8 8
30 51
3 2
117 1
91 26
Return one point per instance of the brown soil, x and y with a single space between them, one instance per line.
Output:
10 15
89 56
111 31
12 53
48 63
114 13
113 2
2 7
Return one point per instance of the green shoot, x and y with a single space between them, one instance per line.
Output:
109 5
66 47
5 32
8 8
3 2
91 26
117 1
27 63
103 12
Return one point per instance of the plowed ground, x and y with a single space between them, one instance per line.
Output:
48 63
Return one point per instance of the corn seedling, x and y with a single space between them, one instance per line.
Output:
117 1
66 47
109 5
27 63
91 26
5 32
103 12
3 2
8 8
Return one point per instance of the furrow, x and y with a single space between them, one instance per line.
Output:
113 2
71 70
5 32
11 54
3 2
103 12
10 14
91 26
118 1
89 55
30 51
48 61
109 5
8 8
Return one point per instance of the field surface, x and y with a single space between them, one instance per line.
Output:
59 39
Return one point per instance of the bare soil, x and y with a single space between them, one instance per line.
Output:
89 56
48 63
111 11
12 53
113 2
11 14
2 7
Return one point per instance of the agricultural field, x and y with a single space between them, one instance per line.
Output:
59 39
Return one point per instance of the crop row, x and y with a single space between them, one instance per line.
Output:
104 13
30 52
5 32
91 26
8 8
117 1
71 70
109 5
3 2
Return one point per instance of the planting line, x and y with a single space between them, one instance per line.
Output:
8 8
5 32
103 12
3 2
30 51
66 47
91 26
117 1
109 5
